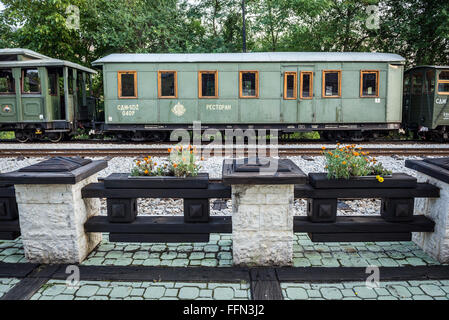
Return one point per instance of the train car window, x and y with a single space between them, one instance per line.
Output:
417 82
306 85
7 85
31 83
290 85
369 83
53 84
443 82
331 84
167 84
70 81
430 81
127 84
208 84
407 84
249 84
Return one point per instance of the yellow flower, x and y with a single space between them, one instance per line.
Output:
381 179
344 162
155 163
146 171
138 162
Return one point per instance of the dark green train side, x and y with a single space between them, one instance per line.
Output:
426 102
43 98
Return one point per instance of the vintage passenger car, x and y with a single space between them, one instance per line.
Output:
41 97
338 94
426 105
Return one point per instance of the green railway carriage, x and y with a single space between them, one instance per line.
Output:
330 92
426 101
41 97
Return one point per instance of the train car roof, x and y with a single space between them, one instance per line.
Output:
427 67
34 59
250 57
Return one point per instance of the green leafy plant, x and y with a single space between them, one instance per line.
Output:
182 163
349 161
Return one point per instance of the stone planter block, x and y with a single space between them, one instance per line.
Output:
52 211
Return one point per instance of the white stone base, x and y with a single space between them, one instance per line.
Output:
52 221
435 244
262 225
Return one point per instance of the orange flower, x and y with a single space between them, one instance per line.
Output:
175 165
138 162
356 154
169 150
323 148
202 158
145 159
344 162
146 171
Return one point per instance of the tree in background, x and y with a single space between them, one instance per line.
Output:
416 29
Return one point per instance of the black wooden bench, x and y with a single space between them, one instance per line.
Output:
9 217
396 221
124 225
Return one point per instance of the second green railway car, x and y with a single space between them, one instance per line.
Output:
337 94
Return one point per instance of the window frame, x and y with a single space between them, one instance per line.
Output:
14 82
310 85
323 83
443 93
159 84
377 72
256 72
295 85
200 84
50 75
119 79
416 75
23 79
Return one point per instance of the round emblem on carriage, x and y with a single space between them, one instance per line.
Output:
6 109
178 109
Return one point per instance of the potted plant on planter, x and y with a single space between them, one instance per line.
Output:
351 167
180 171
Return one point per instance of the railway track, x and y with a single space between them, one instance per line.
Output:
161 152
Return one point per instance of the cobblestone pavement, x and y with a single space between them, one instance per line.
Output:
12 251
114 290
218 253
394 290
6 284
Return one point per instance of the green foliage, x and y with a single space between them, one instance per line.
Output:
348 161
7 135
416 29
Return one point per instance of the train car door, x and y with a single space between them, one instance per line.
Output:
297 94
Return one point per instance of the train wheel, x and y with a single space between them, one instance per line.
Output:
22 137
56 137
158 136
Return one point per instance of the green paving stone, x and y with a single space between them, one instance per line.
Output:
132 247
312 255
180 263
100 298
209 262
445 289
440 298
93 261
138 262
104 291
114 254
387 262
120 292
387 298
223 293
158 248
189 293
141 255
205 293
182 255
195 263
315 262
225 243
241 293
422 297
185 248
432 290
399 291
210 255
137 292
63 297
382 292
296 293
155 255
168 255
124 262
171 292
225 248
330 262
166 263
197 255
301 262
365 292
224 255
225 263
54 290
13 259
331 293
348 293
314 293
152 262
154 292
